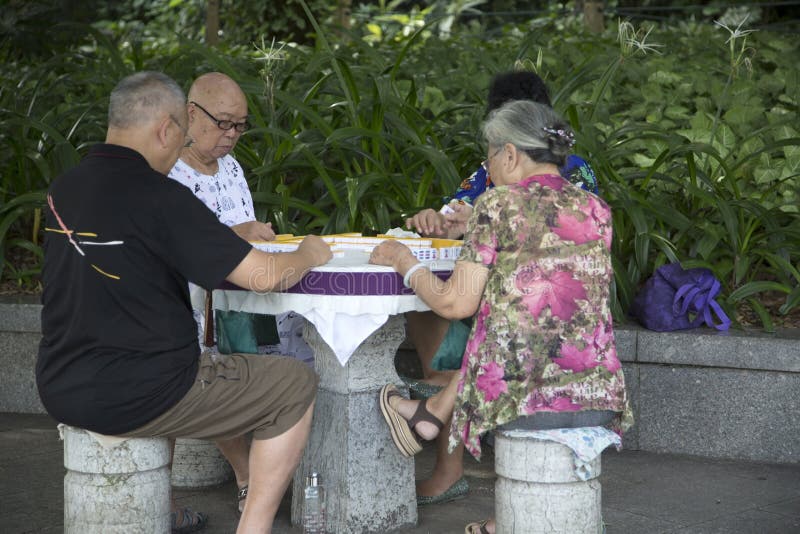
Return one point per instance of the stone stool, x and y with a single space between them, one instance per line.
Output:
197 463
537 490
123 488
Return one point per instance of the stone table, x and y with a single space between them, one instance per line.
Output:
355 325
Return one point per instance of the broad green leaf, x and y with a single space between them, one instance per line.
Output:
763 314
753 288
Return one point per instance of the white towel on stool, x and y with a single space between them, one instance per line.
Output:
586 443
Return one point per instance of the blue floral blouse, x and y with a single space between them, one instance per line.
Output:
576 171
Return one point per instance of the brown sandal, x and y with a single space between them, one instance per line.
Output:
422 415
401 432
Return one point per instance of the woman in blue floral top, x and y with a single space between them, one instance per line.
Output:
535 271
576 171
450 219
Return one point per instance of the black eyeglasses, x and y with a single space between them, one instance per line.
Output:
224 125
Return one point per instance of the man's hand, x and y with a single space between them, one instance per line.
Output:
428 222
254 231
316 250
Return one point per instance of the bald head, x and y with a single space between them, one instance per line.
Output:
216 88
217 117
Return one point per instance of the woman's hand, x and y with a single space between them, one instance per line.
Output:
394 254
456 221
427 222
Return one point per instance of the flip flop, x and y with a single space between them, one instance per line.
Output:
477 528
402 435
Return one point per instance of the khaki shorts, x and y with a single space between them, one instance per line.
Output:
238 393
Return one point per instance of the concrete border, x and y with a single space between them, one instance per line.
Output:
729 395
20 333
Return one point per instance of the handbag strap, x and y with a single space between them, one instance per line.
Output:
701 301
684 297
725 321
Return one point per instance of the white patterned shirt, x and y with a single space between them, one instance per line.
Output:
225 193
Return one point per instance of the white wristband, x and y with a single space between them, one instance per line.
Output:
414 268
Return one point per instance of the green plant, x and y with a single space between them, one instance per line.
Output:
696 147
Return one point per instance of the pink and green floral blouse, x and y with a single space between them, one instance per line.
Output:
542 338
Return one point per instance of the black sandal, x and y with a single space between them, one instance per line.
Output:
423 415
191 521
240 496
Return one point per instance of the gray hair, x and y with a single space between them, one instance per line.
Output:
141 97
533 128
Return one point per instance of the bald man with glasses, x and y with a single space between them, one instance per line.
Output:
217 112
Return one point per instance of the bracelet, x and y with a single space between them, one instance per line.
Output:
414 268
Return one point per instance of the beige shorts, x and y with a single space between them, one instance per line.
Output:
238 393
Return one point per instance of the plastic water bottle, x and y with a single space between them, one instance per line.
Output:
313 506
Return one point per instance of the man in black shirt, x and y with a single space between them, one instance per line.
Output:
119 350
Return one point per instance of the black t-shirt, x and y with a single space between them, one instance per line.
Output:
119 343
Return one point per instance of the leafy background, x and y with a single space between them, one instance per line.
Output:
691 125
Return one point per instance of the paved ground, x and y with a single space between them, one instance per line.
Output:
643 493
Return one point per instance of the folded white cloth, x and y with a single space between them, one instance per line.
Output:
344 322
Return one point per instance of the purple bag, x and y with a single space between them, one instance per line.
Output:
677 299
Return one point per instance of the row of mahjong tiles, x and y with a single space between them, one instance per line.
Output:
423 248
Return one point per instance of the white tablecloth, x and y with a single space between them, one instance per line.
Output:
344 322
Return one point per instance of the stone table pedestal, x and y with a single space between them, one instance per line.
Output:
369 484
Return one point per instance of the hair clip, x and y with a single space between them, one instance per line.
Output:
564 134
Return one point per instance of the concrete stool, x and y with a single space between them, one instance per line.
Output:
124 488
537 490
197 463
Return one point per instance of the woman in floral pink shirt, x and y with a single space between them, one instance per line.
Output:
535 271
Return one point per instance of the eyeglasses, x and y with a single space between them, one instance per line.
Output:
188 141
485 163
224 125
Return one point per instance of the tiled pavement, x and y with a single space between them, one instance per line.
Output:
643 493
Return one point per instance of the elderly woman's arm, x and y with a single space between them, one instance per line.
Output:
456 298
